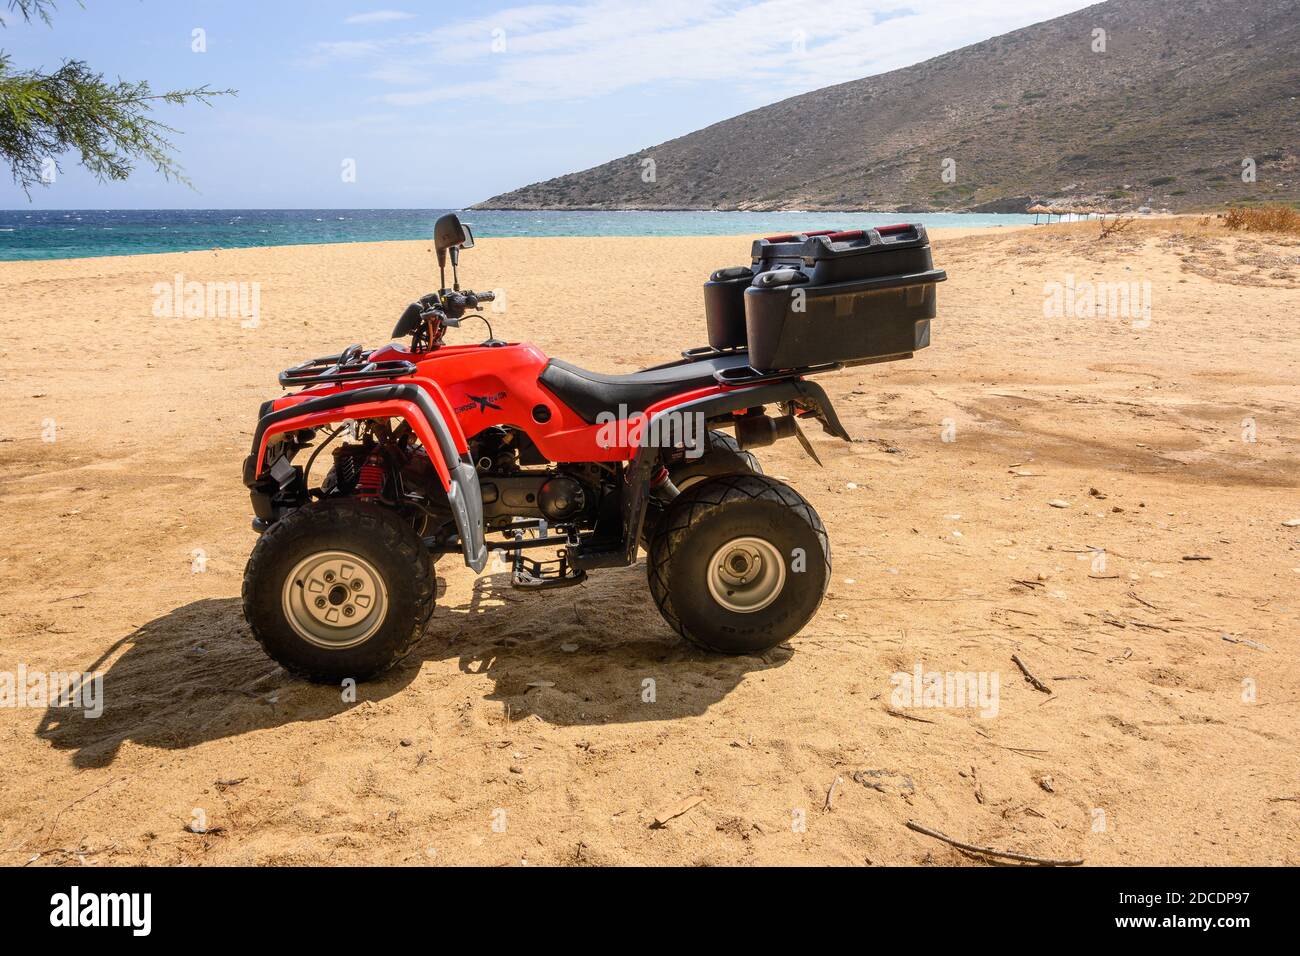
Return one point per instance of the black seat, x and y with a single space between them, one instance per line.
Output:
590 393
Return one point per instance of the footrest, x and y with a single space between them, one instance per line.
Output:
529 574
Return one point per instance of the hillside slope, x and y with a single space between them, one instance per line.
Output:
1184 92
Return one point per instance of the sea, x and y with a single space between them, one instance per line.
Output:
27 234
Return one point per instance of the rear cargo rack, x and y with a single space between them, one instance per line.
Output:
746 375
708 351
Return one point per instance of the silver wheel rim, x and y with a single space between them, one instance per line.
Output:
334 599
746 575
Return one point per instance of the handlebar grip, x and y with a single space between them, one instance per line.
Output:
485 296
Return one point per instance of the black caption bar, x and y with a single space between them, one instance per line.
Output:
133 906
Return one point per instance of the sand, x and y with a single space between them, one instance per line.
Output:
1169 735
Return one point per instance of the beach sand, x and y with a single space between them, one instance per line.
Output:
1169 735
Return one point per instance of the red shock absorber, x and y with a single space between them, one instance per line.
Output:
370 481
661 486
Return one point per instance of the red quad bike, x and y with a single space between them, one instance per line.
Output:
438 449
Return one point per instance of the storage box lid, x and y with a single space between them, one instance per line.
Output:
822 244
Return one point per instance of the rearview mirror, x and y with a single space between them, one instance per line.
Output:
466 243
448 233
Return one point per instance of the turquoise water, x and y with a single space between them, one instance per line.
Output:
65 234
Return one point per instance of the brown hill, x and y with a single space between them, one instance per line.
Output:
1184 92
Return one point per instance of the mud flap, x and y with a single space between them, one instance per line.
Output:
466 500
807 445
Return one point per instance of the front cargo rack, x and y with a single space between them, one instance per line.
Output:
350 365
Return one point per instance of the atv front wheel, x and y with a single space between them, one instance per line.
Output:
341 588
739 564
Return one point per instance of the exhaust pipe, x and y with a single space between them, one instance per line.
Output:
755 431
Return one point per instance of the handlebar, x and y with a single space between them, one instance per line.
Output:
466 300
442 308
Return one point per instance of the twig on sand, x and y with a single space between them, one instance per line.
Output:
1027 583
1149 627
676 810
86 796
899 713
1025 751
69 597
1242 640
989 851
831 793
1029 675
1140 601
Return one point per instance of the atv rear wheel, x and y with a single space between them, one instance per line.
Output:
341 588
722 456
739 564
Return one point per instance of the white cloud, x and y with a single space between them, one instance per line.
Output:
379 16
347 50
771 48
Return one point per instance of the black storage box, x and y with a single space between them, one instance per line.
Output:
724 294
724 306
848 297
840 256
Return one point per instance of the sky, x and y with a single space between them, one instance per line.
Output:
438 105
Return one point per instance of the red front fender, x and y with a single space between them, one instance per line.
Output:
388 409
443 441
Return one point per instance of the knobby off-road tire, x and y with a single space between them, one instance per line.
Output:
722 456
349 554
783 555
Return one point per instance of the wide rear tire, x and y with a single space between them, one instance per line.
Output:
341 588
722 456
739 564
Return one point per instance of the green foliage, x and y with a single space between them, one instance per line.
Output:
75 109
41 9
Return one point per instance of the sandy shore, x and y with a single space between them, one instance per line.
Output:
1169 735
